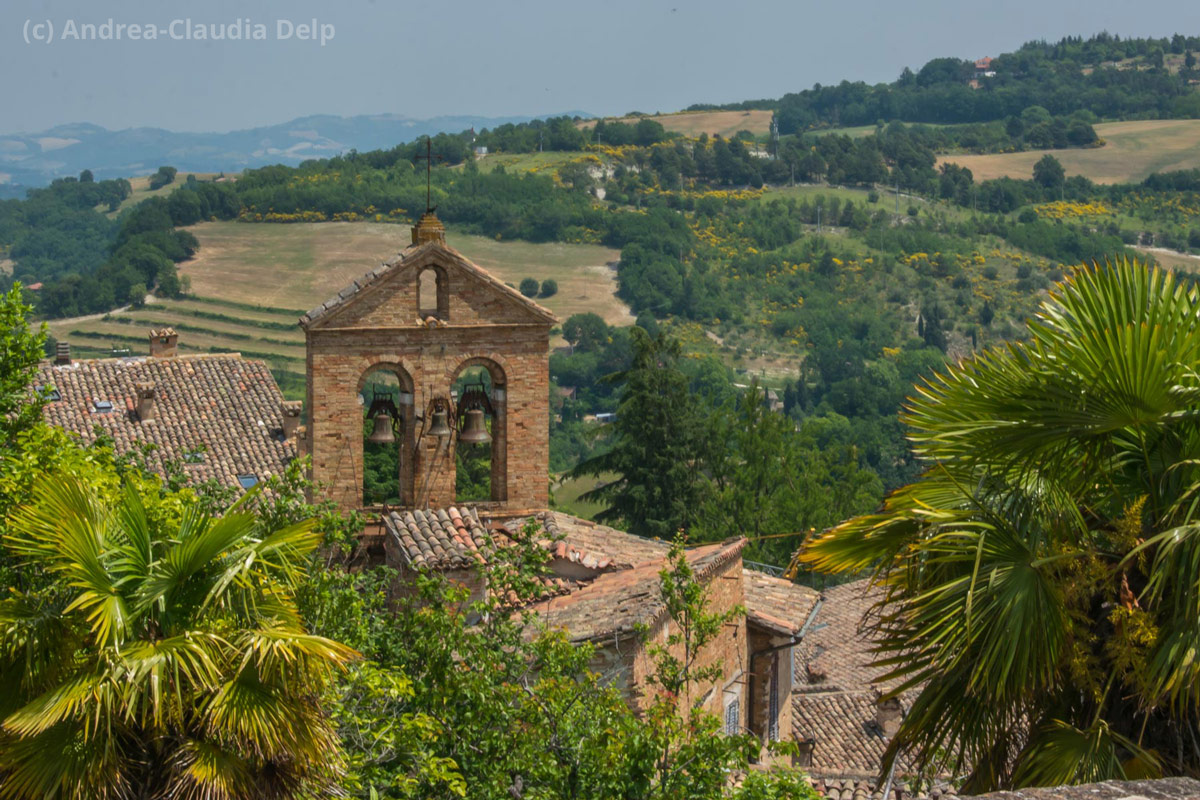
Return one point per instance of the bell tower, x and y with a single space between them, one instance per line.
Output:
468 362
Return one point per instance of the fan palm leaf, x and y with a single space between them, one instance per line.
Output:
1047 566
165 661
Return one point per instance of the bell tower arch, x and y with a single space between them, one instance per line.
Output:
429 318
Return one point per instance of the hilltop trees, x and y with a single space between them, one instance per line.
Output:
164 176
1042 589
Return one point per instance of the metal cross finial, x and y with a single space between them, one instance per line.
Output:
428 159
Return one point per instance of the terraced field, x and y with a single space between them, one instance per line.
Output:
205 325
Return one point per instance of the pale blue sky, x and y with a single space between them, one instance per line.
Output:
506 57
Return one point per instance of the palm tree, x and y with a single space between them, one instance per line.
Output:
1042 578
162 660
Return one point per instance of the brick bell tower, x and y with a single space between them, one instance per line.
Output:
426 318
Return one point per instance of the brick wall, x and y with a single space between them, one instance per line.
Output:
379 328
729 649
768 667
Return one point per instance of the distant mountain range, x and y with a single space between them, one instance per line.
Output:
34 159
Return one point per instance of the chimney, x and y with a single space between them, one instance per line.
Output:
62 353
291 418
804 752
888 714
145 400
164 343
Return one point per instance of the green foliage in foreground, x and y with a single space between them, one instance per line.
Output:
153 646
20 351
470 698
1043 576
164 657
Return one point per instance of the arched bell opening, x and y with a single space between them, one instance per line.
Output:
386 398
480 453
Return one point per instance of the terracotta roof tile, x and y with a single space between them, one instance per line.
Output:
776 602
865 789
623 549
444 538
836 654
616 603
848 742
224 404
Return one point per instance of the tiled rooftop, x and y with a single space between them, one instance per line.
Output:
848 741
623 549
834 700
224 405
866 789
615 603
836 654
776 603
445 538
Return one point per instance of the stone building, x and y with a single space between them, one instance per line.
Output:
425 318
603 589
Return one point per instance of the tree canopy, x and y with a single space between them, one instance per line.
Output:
1041 577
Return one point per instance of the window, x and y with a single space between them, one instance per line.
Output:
733 716
248 481
102 406
52 394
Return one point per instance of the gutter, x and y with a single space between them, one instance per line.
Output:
795 640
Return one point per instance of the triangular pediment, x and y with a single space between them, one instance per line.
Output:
388 297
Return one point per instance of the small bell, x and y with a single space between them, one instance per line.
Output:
439 427
474 430
383 433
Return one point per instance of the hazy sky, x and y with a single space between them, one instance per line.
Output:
505 57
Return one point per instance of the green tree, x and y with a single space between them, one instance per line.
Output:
549 288
586 331
163 177
1048 172
659 445
1060 502
529 287
20 351
164 657
768 482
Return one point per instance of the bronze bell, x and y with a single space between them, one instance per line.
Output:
439 426
383 433
474 430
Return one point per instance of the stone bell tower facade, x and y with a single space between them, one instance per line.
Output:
426 318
